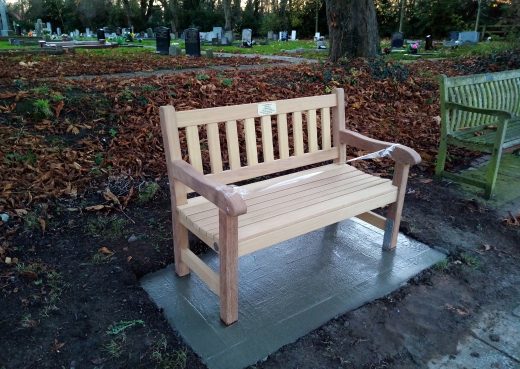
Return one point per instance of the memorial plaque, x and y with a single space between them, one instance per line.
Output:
162 40
192 41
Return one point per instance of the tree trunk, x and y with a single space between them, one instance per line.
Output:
353 29
226 4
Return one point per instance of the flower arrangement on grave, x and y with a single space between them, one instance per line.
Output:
414 47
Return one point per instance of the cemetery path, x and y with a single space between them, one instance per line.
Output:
283 58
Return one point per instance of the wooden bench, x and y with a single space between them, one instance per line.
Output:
480 113
235 221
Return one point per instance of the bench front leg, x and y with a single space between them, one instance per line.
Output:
228 254
180 243
393 217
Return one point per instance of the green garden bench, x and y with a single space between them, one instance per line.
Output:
480 113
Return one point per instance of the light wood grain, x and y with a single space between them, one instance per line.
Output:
232 144
338 123
251 148
312 130
325 129
228 255
267 138
215 156
283 136
203 271
193 142
297 122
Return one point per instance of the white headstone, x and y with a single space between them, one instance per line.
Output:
470 37
293 35
4 22
58 31
87 32
76 32
247 35
218 32
317 36
49 27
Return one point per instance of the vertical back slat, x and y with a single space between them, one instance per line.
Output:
283 136
339 123
267 138
193 141
232 144
297 133
215 156
312 130
250 133
325 129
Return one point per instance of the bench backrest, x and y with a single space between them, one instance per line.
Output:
500 91
235 143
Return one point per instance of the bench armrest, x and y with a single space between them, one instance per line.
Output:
503 115
400 154
223 196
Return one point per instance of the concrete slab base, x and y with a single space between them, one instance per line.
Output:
287 290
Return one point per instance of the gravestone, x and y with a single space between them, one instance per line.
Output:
247 35
76 33
454 36
162 40
18 30
282 36
149 33
428 43
215 41
293 35
58 31
174 50
118 31
229 36
320 44
397 40
270 35
100 35
4 22
218 32
317 36
192 42
87 32
469 37
38 28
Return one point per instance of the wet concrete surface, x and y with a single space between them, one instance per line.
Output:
287 290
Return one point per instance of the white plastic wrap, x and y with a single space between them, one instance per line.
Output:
377 154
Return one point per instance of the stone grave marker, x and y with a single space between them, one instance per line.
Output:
469 37
58 31
270 35
282 35
18 30
247 37
192 42
149 33
4 22
87 32
293 35
76 33
229 36
38 28
453 35
175 50
49 27
428 43
118 31
218 32
317 36
162 40
100 35
397 40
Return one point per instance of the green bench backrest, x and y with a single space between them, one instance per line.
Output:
499 91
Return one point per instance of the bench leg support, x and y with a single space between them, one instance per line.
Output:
494 163
441 157
180 242
228 254
393 218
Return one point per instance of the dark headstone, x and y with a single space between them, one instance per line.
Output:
100 34
18 30
397 40
214 41
162 40
192 41
428 43
118 31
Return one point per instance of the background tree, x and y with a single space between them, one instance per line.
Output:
353 28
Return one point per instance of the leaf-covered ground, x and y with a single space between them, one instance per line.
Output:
83 182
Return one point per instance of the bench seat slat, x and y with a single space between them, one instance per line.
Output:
487 138
275 210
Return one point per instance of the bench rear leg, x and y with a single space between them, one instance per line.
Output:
494 163
180 242
441 157
393 217
228 254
